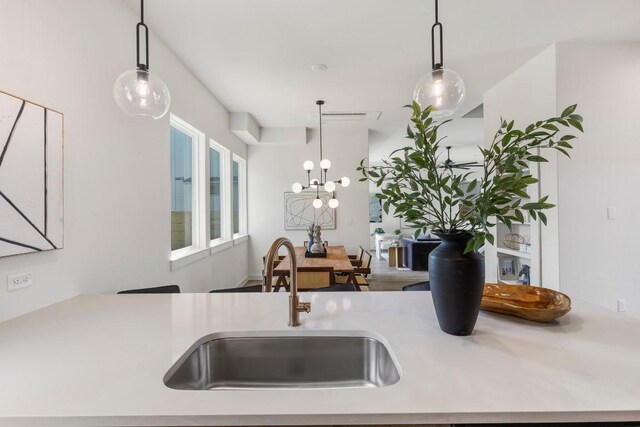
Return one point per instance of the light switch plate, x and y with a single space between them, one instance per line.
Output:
622 305
611 214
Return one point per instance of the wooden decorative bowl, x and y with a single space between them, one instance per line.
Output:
528 302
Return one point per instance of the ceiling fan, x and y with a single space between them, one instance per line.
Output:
450 164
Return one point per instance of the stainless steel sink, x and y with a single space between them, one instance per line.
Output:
284 360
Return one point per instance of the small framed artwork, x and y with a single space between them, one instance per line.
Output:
375 208
508 268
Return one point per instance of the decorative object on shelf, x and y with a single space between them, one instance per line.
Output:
31 177
442 89
513 241
299 212
524 275
315 184
507 268
529 302
138 92
445 200
450 164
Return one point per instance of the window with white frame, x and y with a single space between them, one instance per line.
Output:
218 193
239 196
186 187
208 195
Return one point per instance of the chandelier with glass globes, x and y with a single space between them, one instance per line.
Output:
322 182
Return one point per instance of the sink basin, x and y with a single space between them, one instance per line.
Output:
256 360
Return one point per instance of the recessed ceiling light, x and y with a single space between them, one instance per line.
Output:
319 67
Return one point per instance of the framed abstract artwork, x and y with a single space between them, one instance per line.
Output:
31 177
375 208
299 212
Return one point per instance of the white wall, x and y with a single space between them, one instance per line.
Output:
66 55
528 95
593 258
599 257
275 167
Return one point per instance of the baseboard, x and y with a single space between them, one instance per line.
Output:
254 277
242 282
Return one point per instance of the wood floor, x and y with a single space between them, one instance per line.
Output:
385 278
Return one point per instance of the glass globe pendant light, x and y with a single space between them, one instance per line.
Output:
138 92
442 89
316 184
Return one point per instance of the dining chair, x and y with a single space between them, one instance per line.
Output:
360 273
315 277
167 289
240 289
420 286
356 260
275 264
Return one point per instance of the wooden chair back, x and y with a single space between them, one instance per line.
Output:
315 277
365 267
275 263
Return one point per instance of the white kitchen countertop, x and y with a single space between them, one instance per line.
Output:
100 360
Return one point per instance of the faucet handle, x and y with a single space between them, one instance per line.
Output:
304 306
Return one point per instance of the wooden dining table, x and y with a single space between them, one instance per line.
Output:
336 257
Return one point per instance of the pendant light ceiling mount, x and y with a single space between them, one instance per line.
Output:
442 89
138 92
325 165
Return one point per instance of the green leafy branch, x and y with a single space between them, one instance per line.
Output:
431 196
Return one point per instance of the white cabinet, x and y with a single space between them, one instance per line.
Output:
383 241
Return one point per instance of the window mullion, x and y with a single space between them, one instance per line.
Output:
199 189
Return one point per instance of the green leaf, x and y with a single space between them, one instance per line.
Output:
538 159
576 124
490 238
569 110
410 133
542 217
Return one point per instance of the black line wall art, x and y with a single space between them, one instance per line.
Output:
31 177
299 212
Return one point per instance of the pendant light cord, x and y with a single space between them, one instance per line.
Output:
320 116
436 65
142 66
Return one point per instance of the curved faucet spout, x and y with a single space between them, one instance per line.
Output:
295 306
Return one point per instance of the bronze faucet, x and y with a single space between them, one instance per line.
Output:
295 306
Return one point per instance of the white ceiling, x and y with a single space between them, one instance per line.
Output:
256 55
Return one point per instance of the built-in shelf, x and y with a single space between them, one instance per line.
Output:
509 282
513 252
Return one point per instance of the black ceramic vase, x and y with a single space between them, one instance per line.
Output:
457 282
